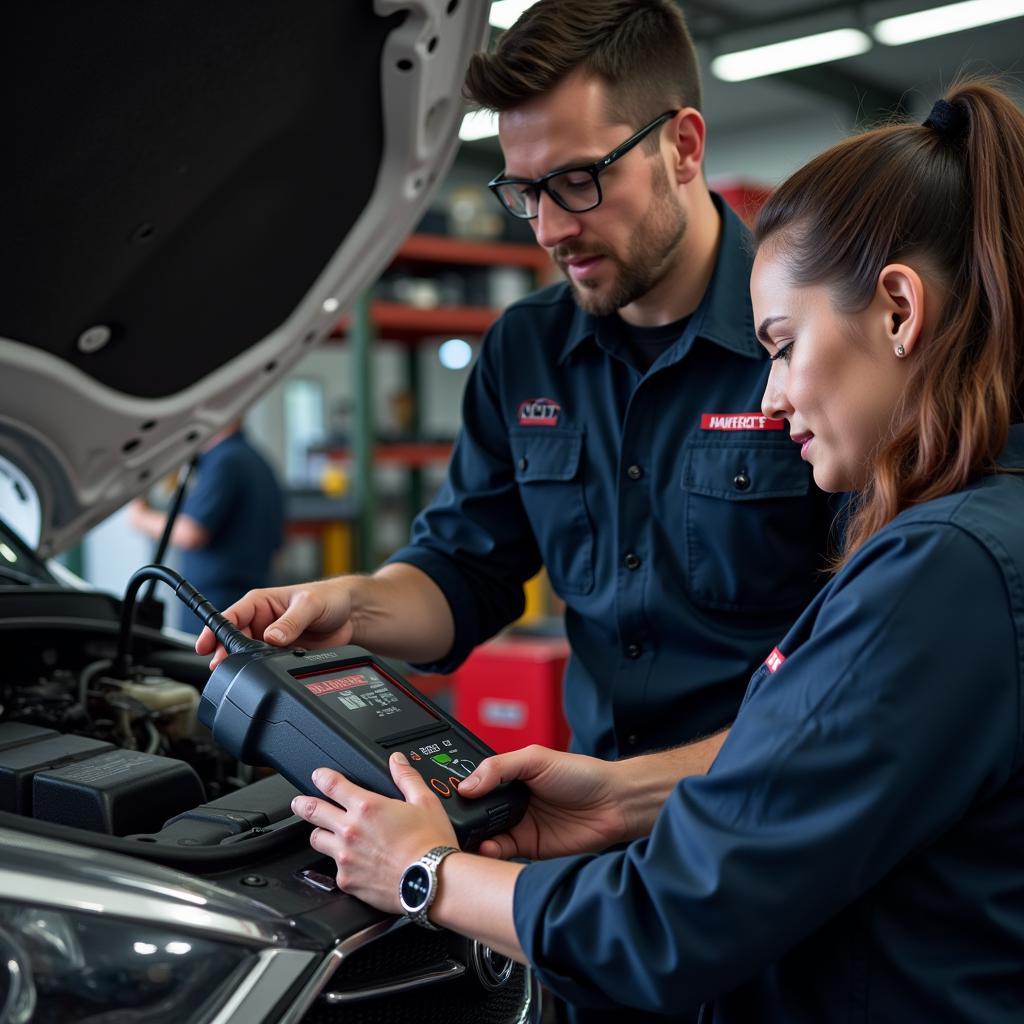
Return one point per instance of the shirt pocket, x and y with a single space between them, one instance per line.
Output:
548 472
750 527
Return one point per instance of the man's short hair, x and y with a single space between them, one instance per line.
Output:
641 49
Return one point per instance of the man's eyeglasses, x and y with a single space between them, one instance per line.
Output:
576 189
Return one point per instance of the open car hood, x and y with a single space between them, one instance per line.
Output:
192 192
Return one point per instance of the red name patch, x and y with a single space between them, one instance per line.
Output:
332 685
739 421
539 412
774 660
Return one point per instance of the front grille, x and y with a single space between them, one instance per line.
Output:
407 951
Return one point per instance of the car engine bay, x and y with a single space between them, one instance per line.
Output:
82 747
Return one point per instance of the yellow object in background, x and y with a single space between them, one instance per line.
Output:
333 480
336 548
335 537
538 600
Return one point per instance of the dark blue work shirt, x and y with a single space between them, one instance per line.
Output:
236 498
856 852
682 553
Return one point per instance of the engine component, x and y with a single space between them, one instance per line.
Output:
119 792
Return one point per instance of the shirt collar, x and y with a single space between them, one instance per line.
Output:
724 315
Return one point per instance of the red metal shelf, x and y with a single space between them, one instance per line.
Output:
396 322
442 249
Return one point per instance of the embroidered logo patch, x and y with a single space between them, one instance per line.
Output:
539 412
739 421
774 660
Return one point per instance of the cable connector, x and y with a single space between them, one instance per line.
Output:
227 633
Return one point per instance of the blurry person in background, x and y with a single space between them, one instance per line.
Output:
230 525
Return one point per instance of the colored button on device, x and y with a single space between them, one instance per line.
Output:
441 788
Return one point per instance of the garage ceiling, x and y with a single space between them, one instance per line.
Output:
855 90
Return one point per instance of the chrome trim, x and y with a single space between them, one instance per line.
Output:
529 1014
400 983
46 872
274 972
305 999
481 959
533 1007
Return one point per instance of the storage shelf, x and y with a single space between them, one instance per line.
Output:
372 320
394 321
440 249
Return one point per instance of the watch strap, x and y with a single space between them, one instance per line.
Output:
431 860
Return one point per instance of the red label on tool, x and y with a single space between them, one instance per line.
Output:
739 421
332 685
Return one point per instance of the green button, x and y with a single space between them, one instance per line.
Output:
441 758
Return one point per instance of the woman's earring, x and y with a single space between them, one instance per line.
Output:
900 351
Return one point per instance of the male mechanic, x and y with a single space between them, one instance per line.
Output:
611 426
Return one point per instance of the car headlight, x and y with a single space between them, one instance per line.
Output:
67 967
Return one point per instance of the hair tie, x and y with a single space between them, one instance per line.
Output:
950 120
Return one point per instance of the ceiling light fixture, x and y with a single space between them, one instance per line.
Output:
938 21
790 54
478 124
505 13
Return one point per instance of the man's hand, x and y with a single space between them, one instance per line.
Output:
574 806
373 838
398 612
307 614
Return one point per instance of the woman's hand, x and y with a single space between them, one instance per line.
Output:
373 838
574 804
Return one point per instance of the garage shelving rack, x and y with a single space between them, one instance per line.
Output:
374 321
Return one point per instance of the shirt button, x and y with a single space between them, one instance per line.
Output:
632 561
634 472
633 651
632 739
741 481
523 463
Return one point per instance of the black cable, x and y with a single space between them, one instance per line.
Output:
226 632
172 515
17 576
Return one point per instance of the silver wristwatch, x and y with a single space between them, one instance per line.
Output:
418 888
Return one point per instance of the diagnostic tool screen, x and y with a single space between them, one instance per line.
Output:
371 703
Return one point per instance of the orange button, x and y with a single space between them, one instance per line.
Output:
441 788
454 782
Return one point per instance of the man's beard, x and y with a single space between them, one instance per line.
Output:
651 252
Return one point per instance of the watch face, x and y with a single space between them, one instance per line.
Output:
415 887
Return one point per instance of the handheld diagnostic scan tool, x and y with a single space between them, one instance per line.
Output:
297 711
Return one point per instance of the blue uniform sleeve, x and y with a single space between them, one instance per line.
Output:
474 540
214 497
873 738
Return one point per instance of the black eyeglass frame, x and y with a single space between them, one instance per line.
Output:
541 184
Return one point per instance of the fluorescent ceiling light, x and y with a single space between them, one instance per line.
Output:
908 28
793 53
505 13
478 124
